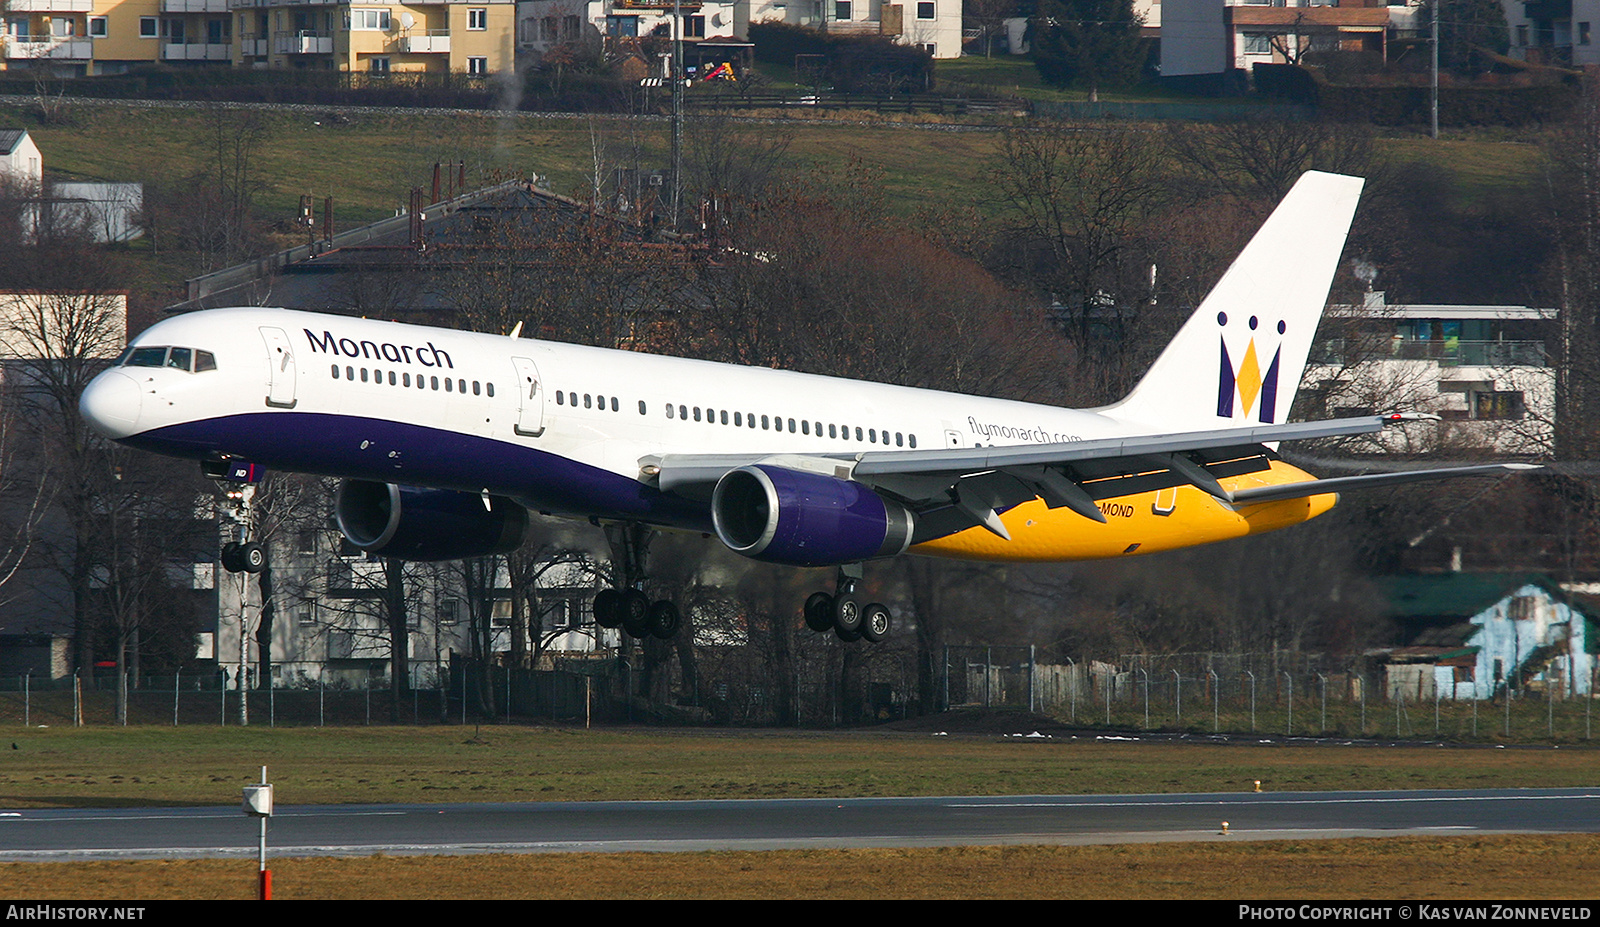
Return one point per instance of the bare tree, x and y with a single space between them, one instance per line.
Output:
1076 202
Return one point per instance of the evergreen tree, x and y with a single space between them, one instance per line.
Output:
1090 43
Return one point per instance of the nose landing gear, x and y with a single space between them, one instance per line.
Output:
240 555
247 557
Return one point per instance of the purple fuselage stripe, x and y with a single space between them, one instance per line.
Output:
411 455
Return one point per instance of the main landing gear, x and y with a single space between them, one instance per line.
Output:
843 612
627 606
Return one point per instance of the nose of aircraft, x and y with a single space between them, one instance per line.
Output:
110 403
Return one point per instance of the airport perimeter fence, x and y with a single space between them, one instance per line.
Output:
823 687
1284 693
819 686
205 699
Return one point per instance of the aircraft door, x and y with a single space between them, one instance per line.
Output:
530 415
280 368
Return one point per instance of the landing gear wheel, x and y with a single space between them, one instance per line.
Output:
253 557
665 620
849 637
231 561
635 613
819 612
608 608
847 615
875 623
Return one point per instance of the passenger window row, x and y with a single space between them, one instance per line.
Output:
590 401
404 379
781 423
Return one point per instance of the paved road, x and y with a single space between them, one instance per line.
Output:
548 827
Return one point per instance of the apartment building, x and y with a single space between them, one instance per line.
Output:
377 38
92 37
1484 370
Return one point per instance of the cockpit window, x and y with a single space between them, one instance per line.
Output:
186 359
146 357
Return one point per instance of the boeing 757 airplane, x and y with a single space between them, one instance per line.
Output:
446 440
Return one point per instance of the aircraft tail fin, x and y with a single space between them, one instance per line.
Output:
1240 356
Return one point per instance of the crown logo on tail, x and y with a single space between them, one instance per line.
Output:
1247 383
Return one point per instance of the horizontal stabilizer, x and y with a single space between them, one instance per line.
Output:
1369 481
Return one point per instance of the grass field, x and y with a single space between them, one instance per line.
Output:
119 767
65 767
1409 868
370 161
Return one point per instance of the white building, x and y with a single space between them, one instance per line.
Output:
20 162
1473 634
934 25
329 625
109 212
619 26
1482 369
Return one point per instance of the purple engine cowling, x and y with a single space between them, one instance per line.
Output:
427 524
806 519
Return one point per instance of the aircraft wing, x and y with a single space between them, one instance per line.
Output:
952 489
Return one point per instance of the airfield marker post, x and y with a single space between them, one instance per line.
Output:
258 803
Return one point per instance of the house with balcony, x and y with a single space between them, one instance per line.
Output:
620 28
1555 32
85 37
423 36
1484 370
1213 37
48 34
932 25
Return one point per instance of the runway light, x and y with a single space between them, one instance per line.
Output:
1224 828
1258 785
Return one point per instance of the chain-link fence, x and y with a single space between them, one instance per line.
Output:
818 685
1292 694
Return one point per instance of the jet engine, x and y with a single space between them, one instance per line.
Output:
427 524
806 519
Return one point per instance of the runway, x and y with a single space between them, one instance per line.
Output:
676 826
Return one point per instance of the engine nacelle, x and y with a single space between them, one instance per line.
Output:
806 519
427 524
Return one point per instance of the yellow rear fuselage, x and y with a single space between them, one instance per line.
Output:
1144 523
